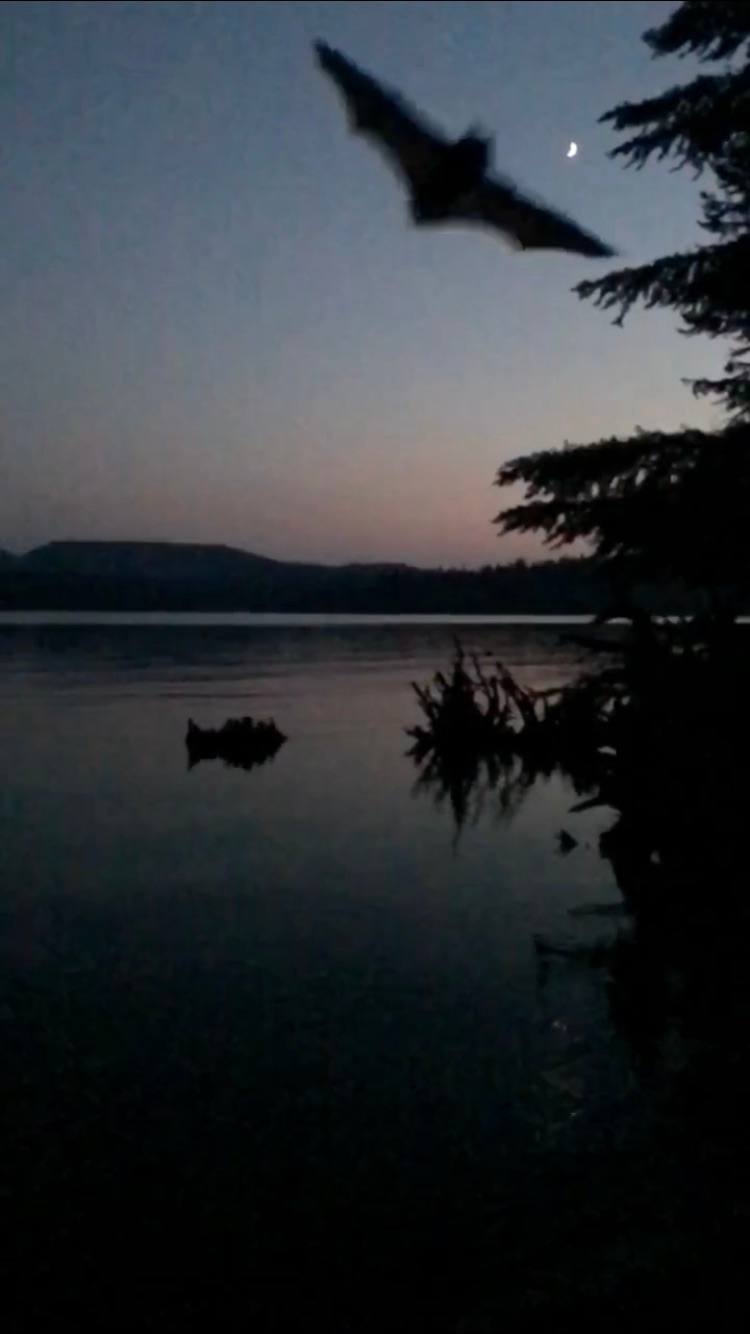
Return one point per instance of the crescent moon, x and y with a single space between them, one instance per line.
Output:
573 149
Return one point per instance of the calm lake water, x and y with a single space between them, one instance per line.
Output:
278 1043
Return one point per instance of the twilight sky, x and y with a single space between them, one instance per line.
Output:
217 324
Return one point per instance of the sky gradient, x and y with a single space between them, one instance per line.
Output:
217 323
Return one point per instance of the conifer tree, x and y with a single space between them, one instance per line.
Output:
673 504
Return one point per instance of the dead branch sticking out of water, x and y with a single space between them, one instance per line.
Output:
660 736
486 732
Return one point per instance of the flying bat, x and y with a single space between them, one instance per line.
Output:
447 180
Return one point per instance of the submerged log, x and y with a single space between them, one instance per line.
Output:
240 742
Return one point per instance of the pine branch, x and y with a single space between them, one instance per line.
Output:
706 286
689 122
702 284
671 504
711 29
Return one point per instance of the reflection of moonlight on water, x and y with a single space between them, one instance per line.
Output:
572 151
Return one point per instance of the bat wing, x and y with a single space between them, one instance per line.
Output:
409 143
527 225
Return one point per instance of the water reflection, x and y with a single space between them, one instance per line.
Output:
672 964
269 1047
674 968
670 771
475 783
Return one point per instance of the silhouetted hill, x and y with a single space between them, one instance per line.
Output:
145 560
171 576
157 576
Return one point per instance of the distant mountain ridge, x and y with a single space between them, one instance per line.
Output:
168 560
180 576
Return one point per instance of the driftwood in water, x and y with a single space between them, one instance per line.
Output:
242 742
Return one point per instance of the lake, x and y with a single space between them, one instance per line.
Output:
278 1045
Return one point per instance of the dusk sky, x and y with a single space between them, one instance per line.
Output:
218 324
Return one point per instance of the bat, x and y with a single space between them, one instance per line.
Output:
447 180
